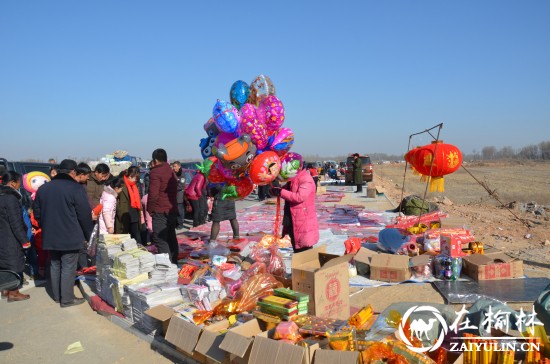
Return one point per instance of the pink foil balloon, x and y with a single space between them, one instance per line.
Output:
251 125
272 112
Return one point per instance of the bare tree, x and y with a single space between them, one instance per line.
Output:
529 152
489 152
544 148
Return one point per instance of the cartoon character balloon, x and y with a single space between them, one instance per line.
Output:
239 93
215 174
272 112
237 189
260 88
265 168
237 154
207 144
251 125
282 141
33 180
226 116
291 164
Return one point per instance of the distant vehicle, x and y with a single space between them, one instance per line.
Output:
366 168
189 165
22 168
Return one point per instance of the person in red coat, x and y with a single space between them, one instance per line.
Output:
195 193
162 204
300 215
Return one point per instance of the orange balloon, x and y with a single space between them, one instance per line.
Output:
265 168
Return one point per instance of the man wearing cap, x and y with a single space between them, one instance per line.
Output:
61 208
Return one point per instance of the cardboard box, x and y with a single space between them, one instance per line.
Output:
238 341
200 344
325 279
163 314
209 343
492 266
362 260
336 357
451 246
389 268
266 350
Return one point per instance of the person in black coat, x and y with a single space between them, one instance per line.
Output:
61 208
222 210
13 231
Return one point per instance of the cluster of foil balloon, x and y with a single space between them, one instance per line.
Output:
246 143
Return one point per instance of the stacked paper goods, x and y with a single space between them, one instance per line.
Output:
145 296
163 269
131 263
205 294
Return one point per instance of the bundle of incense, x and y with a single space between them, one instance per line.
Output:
506 357
279 301
290 294
272 319
277 310
361 317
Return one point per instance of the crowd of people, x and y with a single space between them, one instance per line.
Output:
66 211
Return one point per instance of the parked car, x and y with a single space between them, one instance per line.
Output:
22 168
366 168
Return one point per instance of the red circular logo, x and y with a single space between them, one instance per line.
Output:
332 289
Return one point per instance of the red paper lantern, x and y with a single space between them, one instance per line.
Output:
435 160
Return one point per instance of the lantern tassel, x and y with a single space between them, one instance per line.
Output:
437 184
415 172
424 178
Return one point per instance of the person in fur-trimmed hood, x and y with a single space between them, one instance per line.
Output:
300 215
108 202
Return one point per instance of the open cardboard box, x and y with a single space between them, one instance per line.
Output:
335 357
389 267
492 265
238 341
362 260
266 350
163 314
325 279
200 344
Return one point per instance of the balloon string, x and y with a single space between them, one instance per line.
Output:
277 218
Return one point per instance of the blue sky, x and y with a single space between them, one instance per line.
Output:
84 78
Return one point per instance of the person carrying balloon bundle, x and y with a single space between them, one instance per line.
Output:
300 216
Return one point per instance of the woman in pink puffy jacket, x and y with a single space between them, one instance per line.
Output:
300 215
108 201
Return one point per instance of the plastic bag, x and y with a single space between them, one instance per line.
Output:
253 270
352 245
257 286
287 330
92 242
271 257
217 249
343 340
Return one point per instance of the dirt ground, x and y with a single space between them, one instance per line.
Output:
519 224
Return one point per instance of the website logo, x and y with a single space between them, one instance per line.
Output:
422 329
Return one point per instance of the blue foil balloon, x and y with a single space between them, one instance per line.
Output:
239 93
226 116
